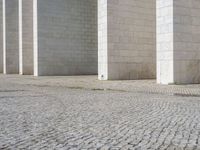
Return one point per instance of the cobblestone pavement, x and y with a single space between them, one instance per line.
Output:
42 116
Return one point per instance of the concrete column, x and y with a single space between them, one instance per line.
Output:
1 36
26 36
65 37
165 67
178 41
127 42
102 39
11 36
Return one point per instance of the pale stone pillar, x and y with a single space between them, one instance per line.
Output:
102 39
11 36
26 36
165 57
1 36
127 42
178 41
65 37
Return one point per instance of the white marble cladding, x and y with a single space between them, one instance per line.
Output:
26 36
66 37
1 36
165 57
178 34
11 36
102 40
127 41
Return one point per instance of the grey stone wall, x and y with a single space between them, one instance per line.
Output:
11 37
187 41
127 39
1 36
65 42
26 37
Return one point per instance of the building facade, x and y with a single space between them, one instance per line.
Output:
178 41
116 39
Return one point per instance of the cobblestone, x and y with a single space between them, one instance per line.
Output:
34 116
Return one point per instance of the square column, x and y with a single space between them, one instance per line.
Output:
165 38
26 37
178 41
65 37
127 39
11 36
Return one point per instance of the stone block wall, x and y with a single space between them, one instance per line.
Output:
11 36
127 39
48 37
187 41
178 37
65 37
26 36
